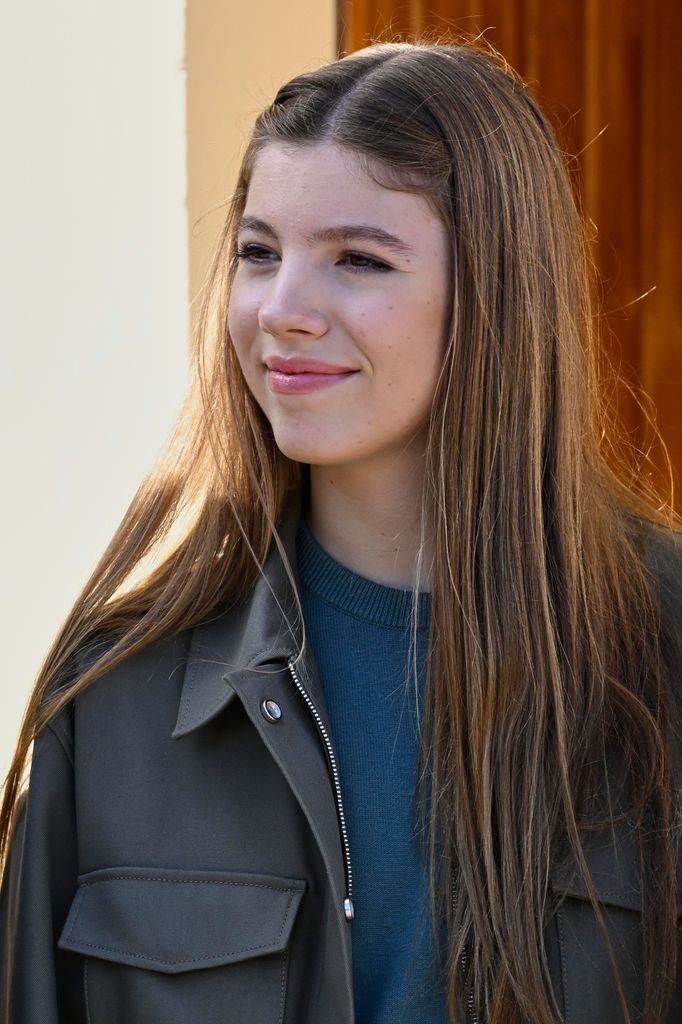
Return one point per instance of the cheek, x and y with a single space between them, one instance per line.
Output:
413 348
237 321
240 325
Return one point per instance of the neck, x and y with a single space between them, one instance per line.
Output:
367 518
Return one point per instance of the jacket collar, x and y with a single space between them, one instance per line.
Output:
252 633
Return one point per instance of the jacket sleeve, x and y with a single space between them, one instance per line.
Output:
38 887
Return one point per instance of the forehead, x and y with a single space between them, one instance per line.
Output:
307 163
324 183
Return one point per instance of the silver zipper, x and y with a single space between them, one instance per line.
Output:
348 909
470 1012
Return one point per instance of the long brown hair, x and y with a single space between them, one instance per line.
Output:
544 637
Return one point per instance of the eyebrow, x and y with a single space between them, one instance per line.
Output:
344 233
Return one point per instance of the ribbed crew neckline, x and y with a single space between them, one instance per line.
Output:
354 594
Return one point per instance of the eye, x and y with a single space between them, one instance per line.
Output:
356 262
369 262
249 253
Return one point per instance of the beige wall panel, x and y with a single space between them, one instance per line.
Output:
237 57
93 296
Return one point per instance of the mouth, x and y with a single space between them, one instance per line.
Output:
303 382
294 365
298 375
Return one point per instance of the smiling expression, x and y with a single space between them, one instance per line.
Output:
340 275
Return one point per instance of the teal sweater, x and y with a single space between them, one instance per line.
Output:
359 634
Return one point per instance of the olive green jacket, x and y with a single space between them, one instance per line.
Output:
181 858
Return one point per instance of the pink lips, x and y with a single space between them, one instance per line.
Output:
294 375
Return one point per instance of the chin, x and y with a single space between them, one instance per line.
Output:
315 453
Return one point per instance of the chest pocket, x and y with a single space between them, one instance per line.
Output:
179 947
590 993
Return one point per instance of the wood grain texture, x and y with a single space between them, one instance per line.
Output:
606 74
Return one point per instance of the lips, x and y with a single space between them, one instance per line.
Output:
297 364
293 375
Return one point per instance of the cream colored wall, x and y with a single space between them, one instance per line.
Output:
122 125
238 54
93 313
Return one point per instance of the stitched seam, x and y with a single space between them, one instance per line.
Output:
613 894
157 960
88 1018
282 990
286 915
188 881
268 649
192 960
77 915
399 627
187 693
284 963
562 950
61 743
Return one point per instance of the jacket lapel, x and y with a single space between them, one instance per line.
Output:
242 653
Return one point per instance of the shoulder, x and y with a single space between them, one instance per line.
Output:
661 552
142 687
662 557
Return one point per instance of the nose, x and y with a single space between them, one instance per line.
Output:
289 307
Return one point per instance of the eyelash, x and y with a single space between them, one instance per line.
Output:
246 253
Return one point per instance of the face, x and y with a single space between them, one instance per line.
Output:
340 333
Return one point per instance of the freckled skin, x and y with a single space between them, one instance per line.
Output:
309 300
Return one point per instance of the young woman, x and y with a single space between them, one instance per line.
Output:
388 730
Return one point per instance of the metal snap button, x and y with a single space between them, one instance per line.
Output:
271 710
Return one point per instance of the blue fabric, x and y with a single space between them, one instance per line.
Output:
359 634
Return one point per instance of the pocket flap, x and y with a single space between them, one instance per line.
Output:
171 920
614 868
616 890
